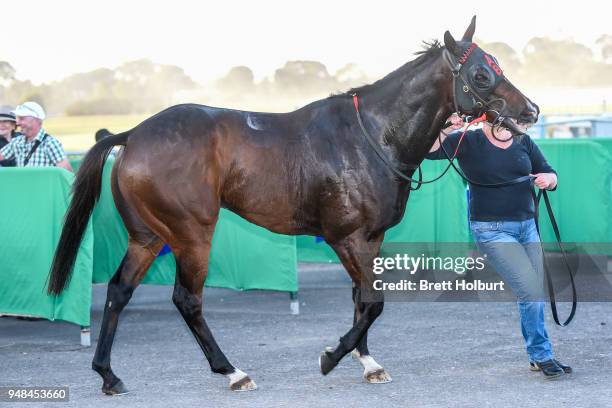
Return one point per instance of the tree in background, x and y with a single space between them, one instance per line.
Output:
308 78
564 63
134 87
237 79
7 73
508 58
143 86
605 44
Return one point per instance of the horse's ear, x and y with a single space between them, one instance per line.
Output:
450 43
469 33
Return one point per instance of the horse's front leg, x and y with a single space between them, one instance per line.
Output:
373 372
357 254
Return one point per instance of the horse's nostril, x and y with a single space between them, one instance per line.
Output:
528 116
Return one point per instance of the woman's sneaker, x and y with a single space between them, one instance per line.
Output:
550 368
567 369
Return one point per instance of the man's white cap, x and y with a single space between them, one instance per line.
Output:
30 109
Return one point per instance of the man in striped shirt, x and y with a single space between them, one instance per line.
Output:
34 147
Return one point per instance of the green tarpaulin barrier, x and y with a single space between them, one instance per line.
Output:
583 199
244 256
33 202
438 212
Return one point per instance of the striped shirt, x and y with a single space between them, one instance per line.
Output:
48 154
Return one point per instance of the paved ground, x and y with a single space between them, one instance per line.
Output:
439 354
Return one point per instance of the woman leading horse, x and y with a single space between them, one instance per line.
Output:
502 222
311 171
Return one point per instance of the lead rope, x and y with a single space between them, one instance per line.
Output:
381 154
551 290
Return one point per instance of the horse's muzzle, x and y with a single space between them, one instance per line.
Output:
530 114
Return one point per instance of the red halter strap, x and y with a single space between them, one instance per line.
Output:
479 119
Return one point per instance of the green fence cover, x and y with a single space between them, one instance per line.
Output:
582 201
244 256
33 202
438 212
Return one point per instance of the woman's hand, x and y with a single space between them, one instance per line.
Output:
456 123
546 181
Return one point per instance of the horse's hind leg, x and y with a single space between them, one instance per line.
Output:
372 371
191 271
130 272
357 254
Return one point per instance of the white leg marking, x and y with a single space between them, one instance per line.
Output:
236 376
237 382
369 364
373 372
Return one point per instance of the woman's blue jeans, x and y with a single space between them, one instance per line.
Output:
513 249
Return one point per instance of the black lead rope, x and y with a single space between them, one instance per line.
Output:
384 157
376 147
551 290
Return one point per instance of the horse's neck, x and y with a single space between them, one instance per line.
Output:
409 111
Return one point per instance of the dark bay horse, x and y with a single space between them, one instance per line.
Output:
310 171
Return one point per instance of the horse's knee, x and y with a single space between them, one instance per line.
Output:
187 303
118 296
375 309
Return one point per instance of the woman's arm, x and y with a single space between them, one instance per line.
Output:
456 123
65 164
450 143
546 176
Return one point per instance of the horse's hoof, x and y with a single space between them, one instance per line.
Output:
326 363
117 389
379 376
244 384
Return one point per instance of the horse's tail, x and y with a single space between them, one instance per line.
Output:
85 193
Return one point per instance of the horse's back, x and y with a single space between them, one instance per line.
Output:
190 154
192 157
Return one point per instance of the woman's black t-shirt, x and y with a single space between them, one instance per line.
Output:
483 162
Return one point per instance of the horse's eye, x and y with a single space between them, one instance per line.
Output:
480 77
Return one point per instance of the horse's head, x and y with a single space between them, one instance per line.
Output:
480 86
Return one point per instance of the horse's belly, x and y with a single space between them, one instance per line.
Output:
274 215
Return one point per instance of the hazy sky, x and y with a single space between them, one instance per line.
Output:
47 40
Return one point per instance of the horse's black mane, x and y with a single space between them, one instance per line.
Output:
430 48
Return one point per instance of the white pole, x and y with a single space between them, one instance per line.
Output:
294 305
85 336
